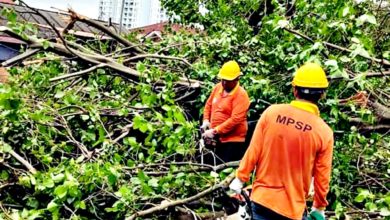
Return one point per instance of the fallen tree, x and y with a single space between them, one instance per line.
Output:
105 131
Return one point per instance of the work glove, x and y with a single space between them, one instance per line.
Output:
205 125
236 185
317 214
209 133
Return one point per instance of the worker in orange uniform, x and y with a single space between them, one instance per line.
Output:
290 145
225 115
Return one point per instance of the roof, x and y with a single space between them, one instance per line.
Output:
10 40
7 1
58 19
160 27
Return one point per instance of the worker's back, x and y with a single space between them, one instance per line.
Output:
290 140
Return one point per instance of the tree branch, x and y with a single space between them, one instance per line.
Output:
25 55
98 59
382 61
80 73
369 128
157 56
199 167
225 183
125 131
371 74
69 26
106 30
23 161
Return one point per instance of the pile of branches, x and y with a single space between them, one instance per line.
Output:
81 120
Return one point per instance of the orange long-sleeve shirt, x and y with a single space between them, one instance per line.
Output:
227 113
290 145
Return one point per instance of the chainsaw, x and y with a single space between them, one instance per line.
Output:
237 206
206 143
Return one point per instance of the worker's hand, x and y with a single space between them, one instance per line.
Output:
205 125
209 133
317 213
310 195
236 185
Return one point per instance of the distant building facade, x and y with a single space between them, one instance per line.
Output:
136 13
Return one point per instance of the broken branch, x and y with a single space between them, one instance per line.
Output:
80 73
372 74
163 206
157 56
23 161
28 53
106 30
97 59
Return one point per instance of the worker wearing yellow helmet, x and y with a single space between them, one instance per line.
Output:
225 116
290 145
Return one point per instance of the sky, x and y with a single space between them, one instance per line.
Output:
89 8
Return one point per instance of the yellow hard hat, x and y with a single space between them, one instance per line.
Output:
229 71
310 75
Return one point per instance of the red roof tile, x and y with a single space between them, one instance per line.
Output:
11 40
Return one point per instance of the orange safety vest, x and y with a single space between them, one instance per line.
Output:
290 145
227 113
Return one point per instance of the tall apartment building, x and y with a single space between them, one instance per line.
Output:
136 13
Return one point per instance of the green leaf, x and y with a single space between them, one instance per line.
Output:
45 44
60 191
228 170
331 63
153 182
48 183
141 156
363 194
166 108
73 191
365 18
179 117
52 206
33 203
123 191
179 149
339 210
371 206
387 200
11 16
282 23
132 141
112 179
141 67
360 51
59 94
82 205
141 176
4 175
6 148
84 117
58 178
34 214
384 212
345 11
214 174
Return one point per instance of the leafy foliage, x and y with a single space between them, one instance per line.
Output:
95 139
269 53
